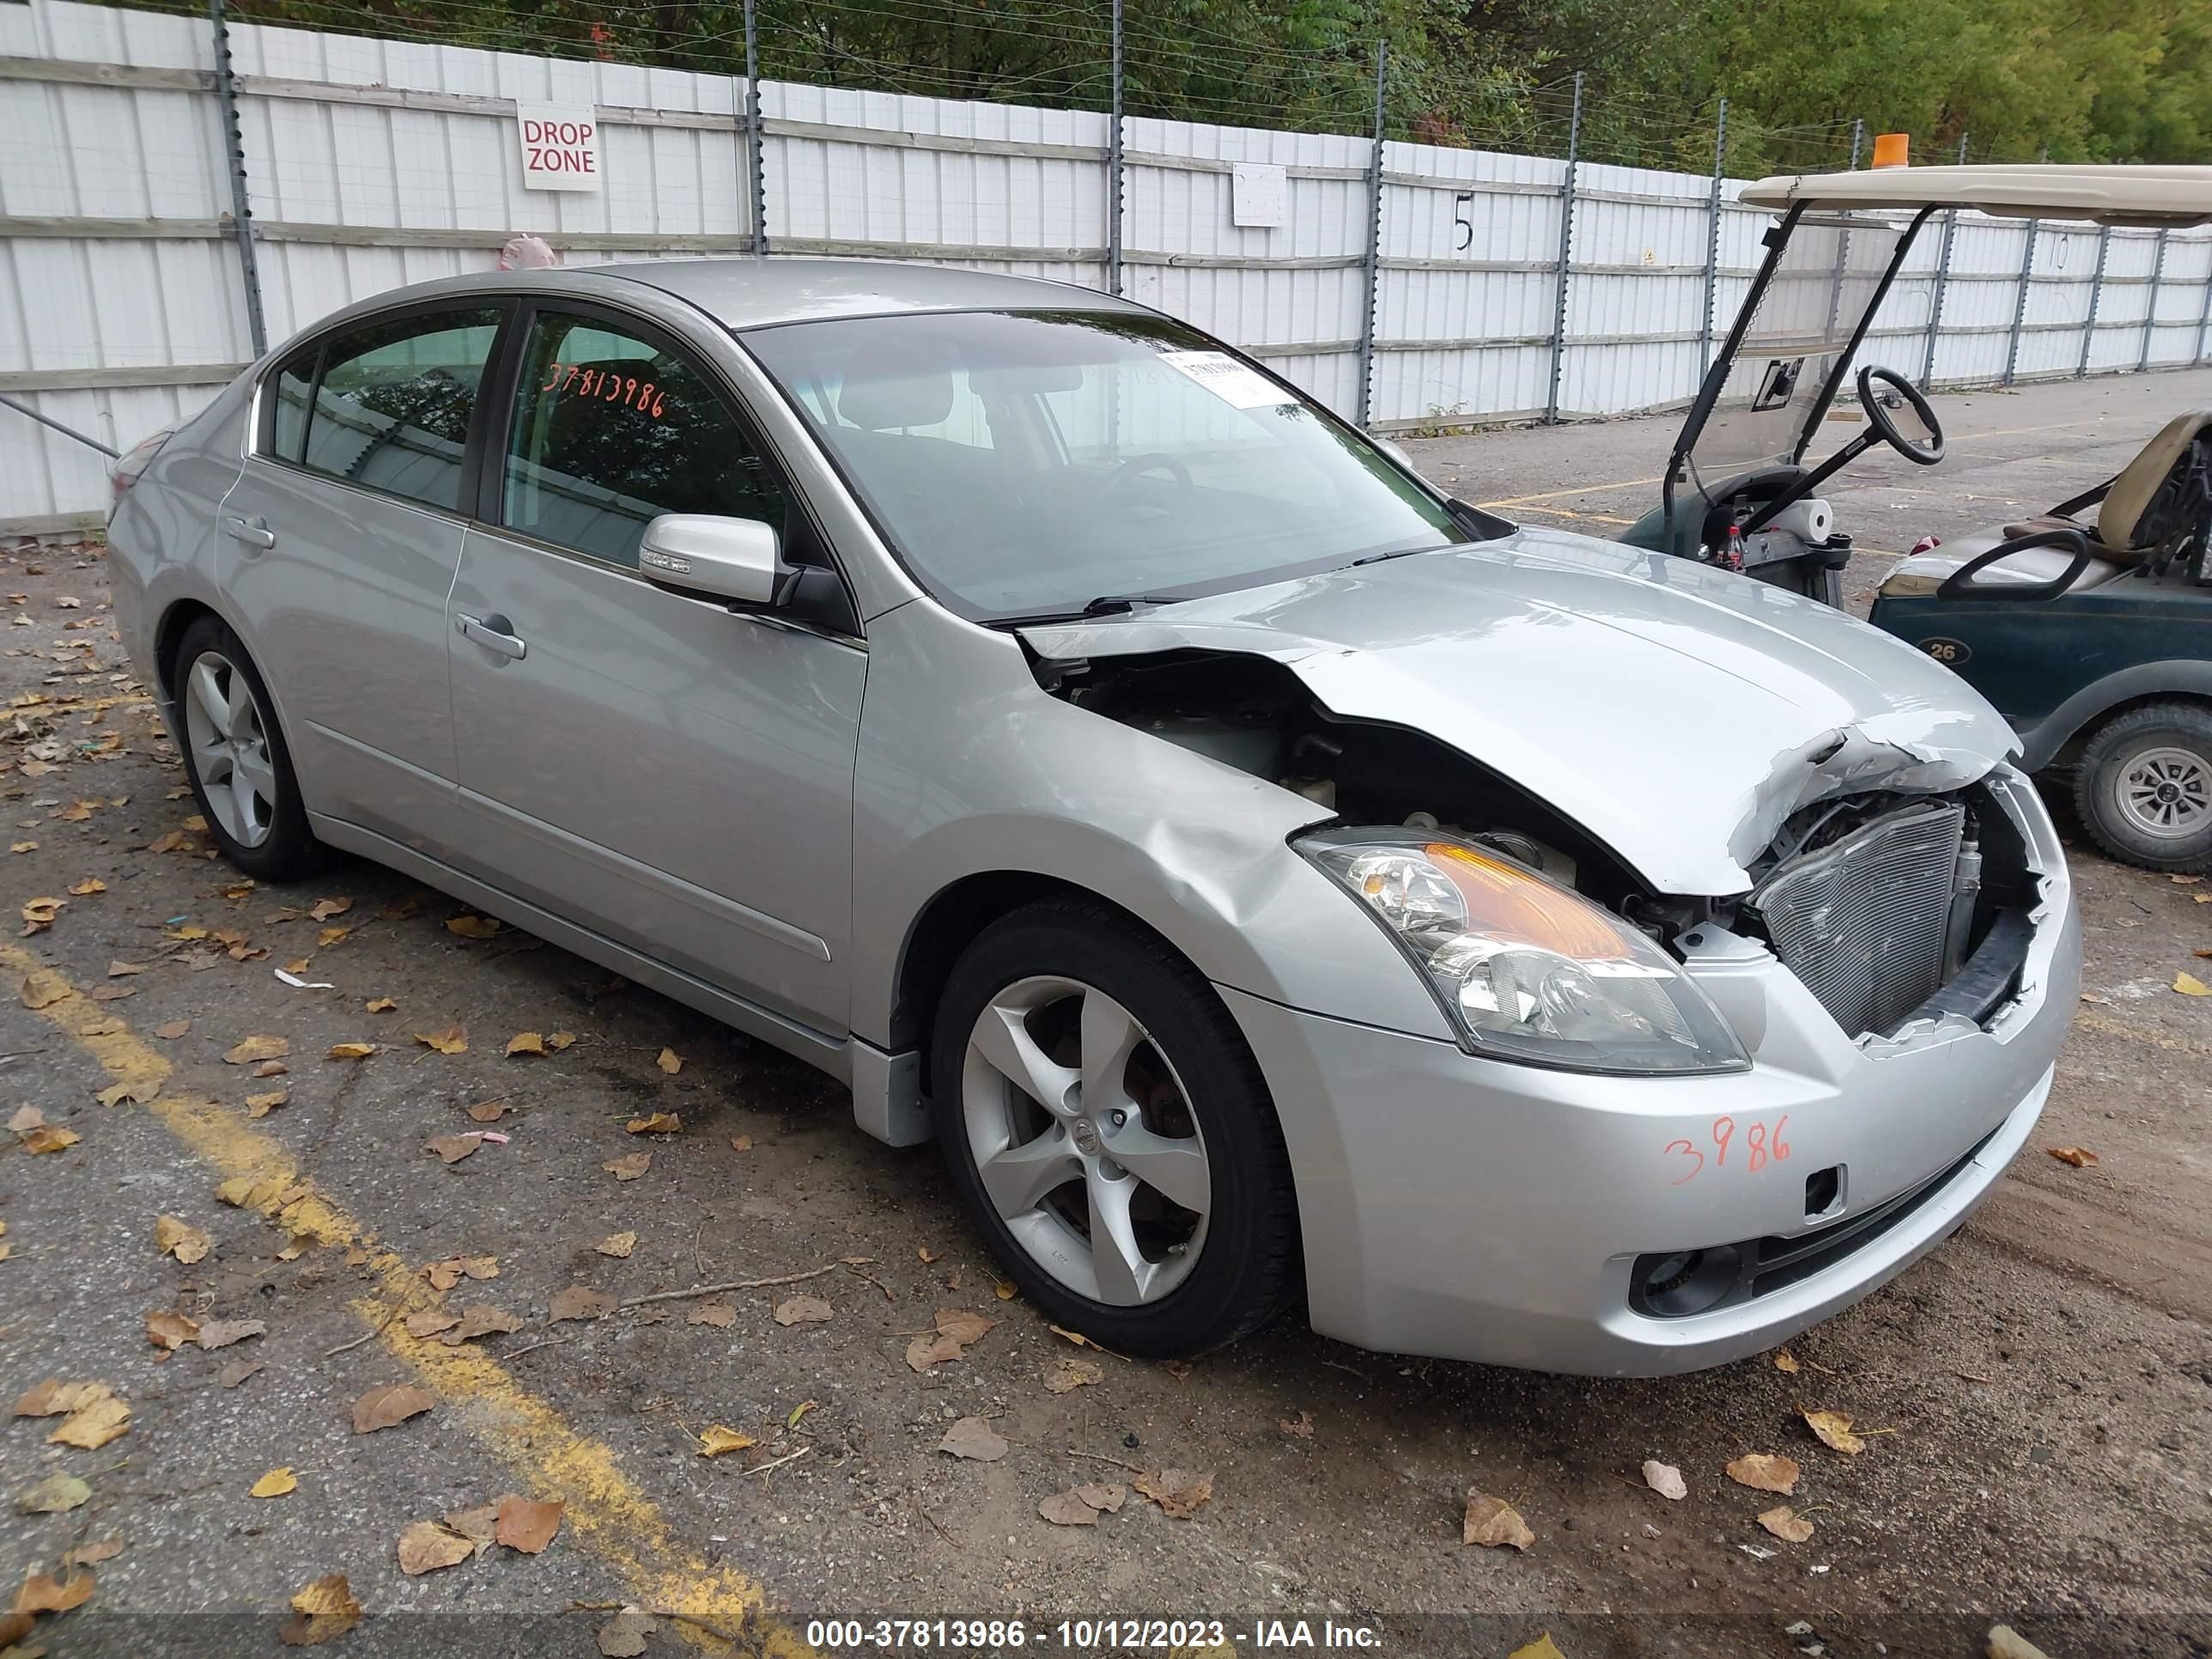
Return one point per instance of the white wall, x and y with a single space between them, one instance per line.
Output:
372 163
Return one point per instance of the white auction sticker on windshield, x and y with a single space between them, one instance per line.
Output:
1227 378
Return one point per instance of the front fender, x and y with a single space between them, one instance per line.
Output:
2041 742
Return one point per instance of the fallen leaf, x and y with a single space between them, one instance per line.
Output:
1785 1362
472 926
268 1068
170 1030
527 1525
557 1040
170 1331
26 1119
136 1093
180 1239
429 1321
23 847
802 1310
1784 1522
716 1440
618 1245
480 1319
444 1275
40 914
1179 1493
237 1370
221 1333
580 1302
741 1143
275 1484
350 1051
526 1043
487 1111
258 1047
325 909
2190 986
1489 1520
2080 1157
119 968
957 1331
669 1061
973 1438
2185 881
721 1314
800 1411
52 1496
1066 1509
655 1123
43 1593
2005 1641
1543 1647
1069 1375
325 1610
43 988
452 1149
389 1404
624 1636
380 1006
87 887
628 1168
101 1418
1834 1429
262 1105
91 1554
453 1039
426 1545
1665 1479
1764 1472
480 1525
43 1139
332 936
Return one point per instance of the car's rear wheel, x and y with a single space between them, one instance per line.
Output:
2144 787
234 756
1108 1130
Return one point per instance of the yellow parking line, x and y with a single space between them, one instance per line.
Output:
608 1513
2089 1020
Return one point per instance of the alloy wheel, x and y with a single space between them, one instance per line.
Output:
2165 792
1084 1140
229 740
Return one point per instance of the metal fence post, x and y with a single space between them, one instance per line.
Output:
757 167
2150 306
1943 281
1566 250
1858 139
2203 320
1374 242
233 153
1113 169
2020 307
2096 293
1713 242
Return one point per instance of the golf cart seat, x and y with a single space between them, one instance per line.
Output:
2154 508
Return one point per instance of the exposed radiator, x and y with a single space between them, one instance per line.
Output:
1863 921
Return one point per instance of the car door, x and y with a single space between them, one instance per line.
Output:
339 543
671 773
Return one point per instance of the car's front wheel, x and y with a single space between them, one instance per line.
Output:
235 758
2144 787
1108 1128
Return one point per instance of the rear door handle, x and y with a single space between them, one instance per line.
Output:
254 532
494 633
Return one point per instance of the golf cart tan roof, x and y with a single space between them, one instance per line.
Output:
2169 196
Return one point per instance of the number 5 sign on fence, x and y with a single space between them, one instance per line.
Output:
559 147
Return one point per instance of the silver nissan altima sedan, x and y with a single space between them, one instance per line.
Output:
1269 879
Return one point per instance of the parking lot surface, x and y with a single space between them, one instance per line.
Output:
445 1103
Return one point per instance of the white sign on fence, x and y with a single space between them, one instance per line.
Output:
559 147
1259 193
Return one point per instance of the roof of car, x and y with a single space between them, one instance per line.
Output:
2103 194
748 293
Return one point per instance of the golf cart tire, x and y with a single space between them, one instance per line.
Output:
2166 724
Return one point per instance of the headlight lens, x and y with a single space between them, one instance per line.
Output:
1525 969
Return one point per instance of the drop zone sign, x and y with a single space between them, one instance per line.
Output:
559 147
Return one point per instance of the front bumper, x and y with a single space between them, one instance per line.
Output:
1474 1209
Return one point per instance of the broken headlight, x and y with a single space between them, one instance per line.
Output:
1527 969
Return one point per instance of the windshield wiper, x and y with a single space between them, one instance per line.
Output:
1106 605
1399 553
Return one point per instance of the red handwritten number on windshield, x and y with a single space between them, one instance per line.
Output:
574 380
1763 1145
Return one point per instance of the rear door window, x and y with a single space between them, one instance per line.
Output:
611 428
392 404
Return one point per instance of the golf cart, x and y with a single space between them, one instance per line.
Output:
1741 488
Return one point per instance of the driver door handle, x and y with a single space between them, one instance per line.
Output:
254 532
494 633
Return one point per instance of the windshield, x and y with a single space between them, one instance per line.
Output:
1829 274
1032 462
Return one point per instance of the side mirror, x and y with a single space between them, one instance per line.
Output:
739 559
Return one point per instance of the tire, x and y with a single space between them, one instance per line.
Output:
1072 967
2144 787
262 830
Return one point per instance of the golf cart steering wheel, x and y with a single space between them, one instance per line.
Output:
1873 382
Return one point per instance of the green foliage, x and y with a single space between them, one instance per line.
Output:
2079 80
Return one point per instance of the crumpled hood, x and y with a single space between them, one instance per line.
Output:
1678 712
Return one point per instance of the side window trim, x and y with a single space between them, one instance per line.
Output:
509 307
